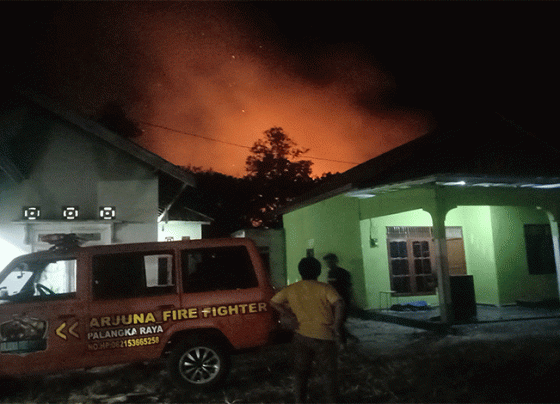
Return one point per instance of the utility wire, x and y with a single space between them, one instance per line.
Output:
229 143
192 134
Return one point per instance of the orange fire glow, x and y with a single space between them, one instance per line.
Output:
199 68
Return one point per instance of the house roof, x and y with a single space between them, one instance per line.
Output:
174 178
489 148
113 138
184 213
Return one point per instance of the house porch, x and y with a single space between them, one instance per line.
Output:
430 319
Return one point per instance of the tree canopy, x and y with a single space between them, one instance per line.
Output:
276 174
272 158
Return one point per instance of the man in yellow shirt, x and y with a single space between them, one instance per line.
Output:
319 311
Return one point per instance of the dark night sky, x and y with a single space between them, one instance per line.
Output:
348 80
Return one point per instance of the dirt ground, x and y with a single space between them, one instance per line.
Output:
498 362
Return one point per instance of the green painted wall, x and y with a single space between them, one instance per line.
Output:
493 239
396 202
402 208
376 259
479 252
328 226
494 252
514 280
479 249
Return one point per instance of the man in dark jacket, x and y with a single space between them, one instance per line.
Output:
339 277
341 280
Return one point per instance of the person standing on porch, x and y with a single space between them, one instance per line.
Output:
341 280
319 311
339 277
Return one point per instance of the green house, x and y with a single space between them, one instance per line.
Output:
473 210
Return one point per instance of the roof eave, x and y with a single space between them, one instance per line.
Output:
298 204
459 180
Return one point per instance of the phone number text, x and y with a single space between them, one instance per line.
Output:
123 343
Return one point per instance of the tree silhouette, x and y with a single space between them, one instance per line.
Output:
272 181
271 156
274 177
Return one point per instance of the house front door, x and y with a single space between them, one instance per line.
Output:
456 256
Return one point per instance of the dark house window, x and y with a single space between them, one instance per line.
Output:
411 258
411 261
540 251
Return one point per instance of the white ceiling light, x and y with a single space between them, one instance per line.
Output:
31 212
107 212
70 212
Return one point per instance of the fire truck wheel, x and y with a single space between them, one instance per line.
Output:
199 364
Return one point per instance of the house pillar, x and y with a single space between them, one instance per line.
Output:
438 213
554 229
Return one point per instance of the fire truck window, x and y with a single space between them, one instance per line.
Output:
59 276
128 275
15 281
39 280
222 268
